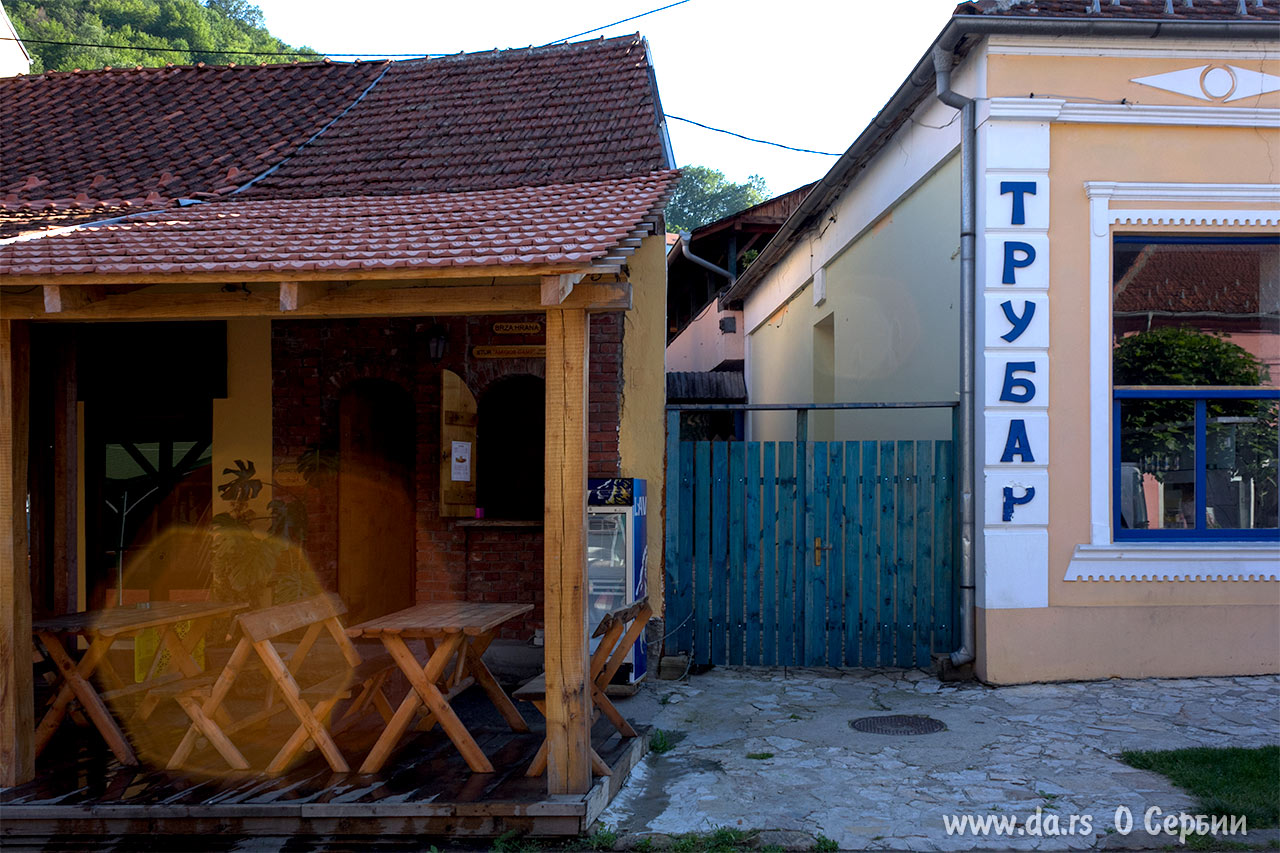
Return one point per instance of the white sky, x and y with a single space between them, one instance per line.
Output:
806 73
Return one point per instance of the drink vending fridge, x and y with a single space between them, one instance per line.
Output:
617 557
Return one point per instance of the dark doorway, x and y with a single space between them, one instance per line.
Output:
375 499
512 438
148 393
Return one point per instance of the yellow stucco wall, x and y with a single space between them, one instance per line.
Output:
892 296
642 431
242 421
1096 629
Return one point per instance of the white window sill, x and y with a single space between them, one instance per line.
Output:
1172 561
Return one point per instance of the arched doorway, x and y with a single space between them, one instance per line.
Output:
375 499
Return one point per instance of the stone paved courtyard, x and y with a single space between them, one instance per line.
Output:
1006 751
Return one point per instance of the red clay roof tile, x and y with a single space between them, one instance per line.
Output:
576 223
466 122
135 133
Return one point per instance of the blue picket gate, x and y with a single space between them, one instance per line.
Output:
810 553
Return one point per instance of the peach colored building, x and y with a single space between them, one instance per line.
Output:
1110 173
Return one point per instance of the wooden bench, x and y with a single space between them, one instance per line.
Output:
618 632
202 697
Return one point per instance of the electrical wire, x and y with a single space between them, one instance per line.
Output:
750 138
615 23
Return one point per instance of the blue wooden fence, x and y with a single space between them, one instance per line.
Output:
810 553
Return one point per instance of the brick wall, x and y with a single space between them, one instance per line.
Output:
314 360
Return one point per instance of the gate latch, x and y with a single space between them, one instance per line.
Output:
818 548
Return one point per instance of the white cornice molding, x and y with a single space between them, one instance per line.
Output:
1192 193
1159 114
1056 109
1026 109
1170 48
1170 562
1195 217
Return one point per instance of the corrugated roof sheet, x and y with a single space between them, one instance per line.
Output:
557 224
727 386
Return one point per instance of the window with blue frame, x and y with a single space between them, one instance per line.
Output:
1194 365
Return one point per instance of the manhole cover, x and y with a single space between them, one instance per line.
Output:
898 724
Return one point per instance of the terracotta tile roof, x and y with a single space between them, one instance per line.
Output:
557 224
115 140
1191 279
575 112
1198 10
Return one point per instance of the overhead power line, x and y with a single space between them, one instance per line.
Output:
751 138
615 23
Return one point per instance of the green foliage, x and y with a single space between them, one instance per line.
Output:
601 839
1228 781
660 742
705 195
1174 355
824 845
194 28
722 839
759 756
1159 435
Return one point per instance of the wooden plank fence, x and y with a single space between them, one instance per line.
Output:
810 553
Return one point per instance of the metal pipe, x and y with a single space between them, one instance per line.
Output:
942 62
803 407
685 237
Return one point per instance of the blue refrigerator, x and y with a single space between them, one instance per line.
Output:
617 557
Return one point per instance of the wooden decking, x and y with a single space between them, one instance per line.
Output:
425 790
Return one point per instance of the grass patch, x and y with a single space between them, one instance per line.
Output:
759 756
722 839
1231 781
824 845
661 742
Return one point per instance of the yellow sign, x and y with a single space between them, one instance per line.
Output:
517 328
517 351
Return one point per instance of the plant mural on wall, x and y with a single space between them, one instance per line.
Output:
258 558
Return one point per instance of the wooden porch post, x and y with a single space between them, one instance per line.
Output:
564 550
17 703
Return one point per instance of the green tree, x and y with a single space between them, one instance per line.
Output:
705 195
151 32
1158 435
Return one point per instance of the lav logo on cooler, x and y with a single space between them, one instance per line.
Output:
1019 385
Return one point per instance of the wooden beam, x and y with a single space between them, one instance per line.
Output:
296 294
556 288
564 550
59 298
65 479
264 301
17 701
477 271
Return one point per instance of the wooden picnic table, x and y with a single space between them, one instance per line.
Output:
461 629
102 628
